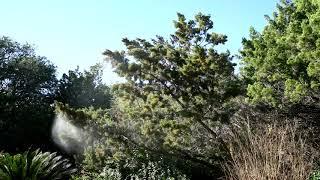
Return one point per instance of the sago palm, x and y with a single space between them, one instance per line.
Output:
34 165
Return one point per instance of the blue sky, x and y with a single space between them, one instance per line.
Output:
76 32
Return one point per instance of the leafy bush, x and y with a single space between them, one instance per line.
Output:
315 175
138 165
34 165
109 174
281 64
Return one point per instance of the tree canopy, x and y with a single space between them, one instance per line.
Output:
281 63
84 89
177 96
27 92
186 69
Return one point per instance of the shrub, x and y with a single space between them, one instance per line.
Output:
315 175
138 165
274 152
34 165
110 174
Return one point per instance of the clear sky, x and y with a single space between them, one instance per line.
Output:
76 32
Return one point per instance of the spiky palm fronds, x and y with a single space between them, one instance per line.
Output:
34 165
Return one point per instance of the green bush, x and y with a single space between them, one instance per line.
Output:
109 174
315 175
34 165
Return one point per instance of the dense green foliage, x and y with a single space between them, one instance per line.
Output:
181 95
177 96
174 116
34 165
315 176
27 90
282 64
80 90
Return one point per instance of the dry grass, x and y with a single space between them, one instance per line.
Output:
273 152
